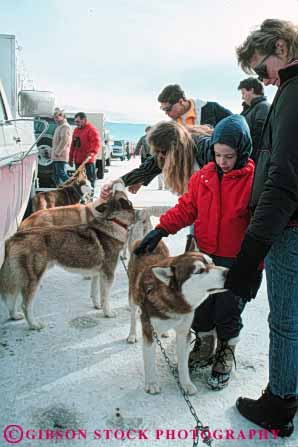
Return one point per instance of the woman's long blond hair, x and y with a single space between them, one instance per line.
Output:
175 142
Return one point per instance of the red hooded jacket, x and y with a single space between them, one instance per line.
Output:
85 141
219 209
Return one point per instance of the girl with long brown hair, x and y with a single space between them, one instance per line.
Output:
177 152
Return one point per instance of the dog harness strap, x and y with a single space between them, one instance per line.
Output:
122 224
77 191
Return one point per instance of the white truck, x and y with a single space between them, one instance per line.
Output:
18 153
104 156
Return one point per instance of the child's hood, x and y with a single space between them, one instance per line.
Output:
234 132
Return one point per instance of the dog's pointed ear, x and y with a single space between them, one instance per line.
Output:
125 204
101 208
164 274
191 244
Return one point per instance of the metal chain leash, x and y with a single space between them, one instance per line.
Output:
123 263
200 428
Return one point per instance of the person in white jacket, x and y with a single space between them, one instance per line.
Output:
61 146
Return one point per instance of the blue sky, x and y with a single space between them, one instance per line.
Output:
116 56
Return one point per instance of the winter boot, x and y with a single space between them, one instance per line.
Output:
270 412
203 351
222 364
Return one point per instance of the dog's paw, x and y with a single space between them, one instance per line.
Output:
97 305
132 338
17 316
165 335
152 388
37 325
109 314
189 388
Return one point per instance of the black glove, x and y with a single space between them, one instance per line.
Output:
150 241
244 277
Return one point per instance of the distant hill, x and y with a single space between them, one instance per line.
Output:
125 131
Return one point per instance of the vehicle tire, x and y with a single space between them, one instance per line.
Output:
108 162
29 209
122 158
45 169
99 169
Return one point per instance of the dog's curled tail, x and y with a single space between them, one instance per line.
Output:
8 285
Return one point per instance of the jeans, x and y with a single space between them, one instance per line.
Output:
90 172
221 311
59 172
282 286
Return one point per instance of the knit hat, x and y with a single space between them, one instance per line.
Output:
234 132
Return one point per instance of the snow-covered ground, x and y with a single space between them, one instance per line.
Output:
75 373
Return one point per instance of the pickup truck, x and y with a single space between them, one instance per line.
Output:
18 160
118 150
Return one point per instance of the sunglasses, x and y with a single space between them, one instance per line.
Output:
261 69
167 109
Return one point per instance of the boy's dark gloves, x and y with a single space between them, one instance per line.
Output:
244 277
150 241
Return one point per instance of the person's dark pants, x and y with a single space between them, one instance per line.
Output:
221 311
59 172
90 172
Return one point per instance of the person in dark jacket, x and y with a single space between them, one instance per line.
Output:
271 51
216 202
142 147
255 110
190 112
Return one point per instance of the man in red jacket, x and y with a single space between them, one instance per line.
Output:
85 142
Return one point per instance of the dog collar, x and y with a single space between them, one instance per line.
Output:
123 225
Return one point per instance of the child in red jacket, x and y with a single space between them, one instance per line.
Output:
217 203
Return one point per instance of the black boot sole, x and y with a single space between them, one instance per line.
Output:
283 431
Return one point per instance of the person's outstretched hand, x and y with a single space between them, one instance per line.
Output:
107 188
134 188
150 241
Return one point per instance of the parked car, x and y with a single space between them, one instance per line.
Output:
118 150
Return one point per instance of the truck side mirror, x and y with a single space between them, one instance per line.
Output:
34 103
